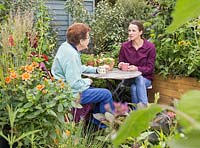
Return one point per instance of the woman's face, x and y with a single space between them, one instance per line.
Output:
133 32
84 42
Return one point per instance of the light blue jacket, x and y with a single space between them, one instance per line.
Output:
67 66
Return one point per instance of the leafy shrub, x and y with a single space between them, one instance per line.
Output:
177 52
41 104
109 23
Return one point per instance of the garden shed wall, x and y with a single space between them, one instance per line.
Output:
61 20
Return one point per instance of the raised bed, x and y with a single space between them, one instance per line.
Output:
171 88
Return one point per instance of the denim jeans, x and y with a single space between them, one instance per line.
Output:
100 97
139 89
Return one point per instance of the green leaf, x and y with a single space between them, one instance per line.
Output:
1 75
26 134
2 7
51 112
76 105
189 104
184 11
137 122
110 117
60 107
61 118
99 116
27 105
191 140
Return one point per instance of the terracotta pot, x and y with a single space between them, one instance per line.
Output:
90 63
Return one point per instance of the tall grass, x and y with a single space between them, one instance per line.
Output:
15 47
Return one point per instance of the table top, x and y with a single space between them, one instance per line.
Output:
114 74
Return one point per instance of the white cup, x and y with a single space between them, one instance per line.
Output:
101 70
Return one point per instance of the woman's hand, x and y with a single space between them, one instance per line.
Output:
91 81
107 67
120 65
132 68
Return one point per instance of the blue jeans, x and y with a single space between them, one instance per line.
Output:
100 97
139 89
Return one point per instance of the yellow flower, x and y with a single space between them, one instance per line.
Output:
181 42
7 80
29 68
13 75
40 87
26 76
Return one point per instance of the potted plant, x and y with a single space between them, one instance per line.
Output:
88 59
106 61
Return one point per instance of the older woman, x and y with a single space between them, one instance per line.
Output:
67 66
140 54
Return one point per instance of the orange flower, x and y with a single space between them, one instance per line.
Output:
7 80
13 75
29 68
26 76
40 87
67 132
62 85
35 64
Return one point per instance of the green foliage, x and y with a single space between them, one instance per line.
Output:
108 24
77 8
139 121
4 9
37 99
12 139
190 106
45 36
184 11
191 140
181 49
85 58
177 52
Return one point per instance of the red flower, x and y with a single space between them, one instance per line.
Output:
45 57
11 40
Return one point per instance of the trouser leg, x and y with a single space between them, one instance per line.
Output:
139 89
98 96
